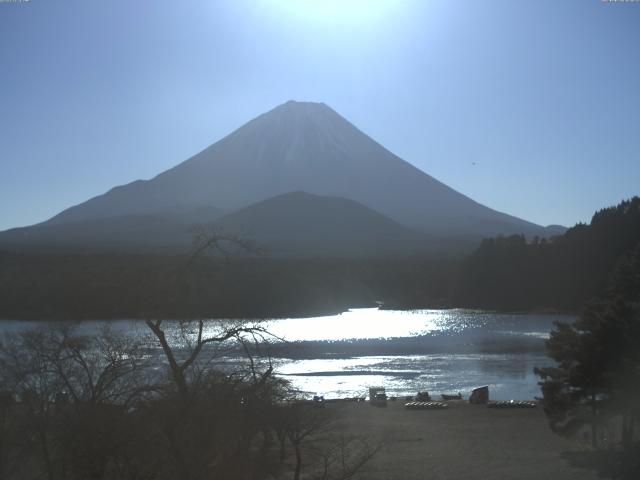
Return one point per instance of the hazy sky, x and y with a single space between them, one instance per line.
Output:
543 95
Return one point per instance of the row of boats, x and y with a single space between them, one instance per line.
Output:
423 401
378 397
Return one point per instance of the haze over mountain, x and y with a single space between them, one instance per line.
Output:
296 147
301 223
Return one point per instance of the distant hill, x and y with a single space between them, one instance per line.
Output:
305 224
298 146
554 230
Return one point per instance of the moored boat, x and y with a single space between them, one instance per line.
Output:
447 396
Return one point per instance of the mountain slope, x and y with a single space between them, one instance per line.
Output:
304 224
298 146
144 232
302 146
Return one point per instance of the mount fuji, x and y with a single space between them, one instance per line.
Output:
296 147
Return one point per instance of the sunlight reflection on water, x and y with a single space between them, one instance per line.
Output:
363 323
363 347
508 375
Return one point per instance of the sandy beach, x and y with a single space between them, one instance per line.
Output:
462 442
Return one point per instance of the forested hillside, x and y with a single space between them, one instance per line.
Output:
512 273
135 286
504 273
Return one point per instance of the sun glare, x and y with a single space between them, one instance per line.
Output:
335 11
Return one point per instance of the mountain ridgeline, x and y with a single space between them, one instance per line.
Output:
361 198
311 224
504 273
343 223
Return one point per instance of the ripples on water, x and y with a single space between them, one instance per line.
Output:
364 323
442 351
508 375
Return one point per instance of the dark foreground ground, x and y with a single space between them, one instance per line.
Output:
463 442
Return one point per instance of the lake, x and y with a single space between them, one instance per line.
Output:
440 351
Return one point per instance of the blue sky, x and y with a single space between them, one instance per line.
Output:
542 95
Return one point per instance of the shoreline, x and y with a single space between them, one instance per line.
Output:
463 441
319 313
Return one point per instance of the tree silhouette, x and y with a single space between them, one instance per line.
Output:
596 381
563 273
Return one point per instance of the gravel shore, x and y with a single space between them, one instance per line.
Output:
461 442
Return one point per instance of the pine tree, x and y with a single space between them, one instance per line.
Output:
596 379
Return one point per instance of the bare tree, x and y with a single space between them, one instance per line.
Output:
74 391
319 450
179 367
345 457
92 406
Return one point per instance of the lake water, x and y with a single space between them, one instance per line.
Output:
440 351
